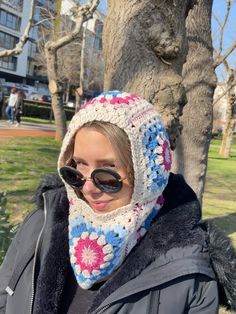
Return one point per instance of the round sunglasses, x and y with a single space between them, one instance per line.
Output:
104 179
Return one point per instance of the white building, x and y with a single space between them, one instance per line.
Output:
14 17
22 69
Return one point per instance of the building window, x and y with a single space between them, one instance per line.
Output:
14 4
32 49
98 28
34 32
10 20
8 63
98 43
89 39
8 41
30 68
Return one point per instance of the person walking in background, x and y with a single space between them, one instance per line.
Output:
10 110
19 107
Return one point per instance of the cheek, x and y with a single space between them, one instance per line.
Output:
126 192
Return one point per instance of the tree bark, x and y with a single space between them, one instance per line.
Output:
144 49
56 92
190 157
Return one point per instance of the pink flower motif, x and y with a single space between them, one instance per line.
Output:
89 254
160 200
118 100
71 202
132 97
102 100
166 155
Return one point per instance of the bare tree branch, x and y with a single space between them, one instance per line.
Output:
224 24
82 14
20 45
224 93
220 59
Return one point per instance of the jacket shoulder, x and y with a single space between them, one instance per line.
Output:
49 182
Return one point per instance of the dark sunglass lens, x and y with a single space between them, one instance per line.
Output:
107 182
72 177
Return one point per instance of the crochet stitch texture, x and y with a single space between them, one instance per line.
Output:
100 242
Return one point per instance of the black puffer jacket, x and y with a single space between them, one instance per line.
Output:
169 271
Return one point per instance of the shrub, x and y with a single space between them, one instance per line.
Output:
44 111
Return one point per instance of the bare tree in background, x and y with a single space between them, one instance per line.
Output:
221 57
24 38
68 59
51 48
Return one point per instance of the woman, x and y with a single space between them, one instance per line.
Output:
10 109
120 234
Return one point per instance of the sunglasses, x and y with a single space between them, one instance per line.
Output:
104 179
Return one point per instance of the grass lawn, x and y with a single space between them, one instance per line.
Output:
23 161
36 120
219 201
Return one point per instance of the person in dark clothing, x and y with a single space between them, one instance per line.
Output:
19 107
116 232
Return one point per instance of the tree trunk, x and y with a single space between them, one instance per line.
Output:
59 116
190 157
230 120
144 50
67 92
56 92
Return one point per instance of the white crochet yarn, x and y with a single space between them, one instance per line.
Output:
151 163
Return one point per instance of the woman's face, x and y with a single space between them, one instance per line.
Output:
93 150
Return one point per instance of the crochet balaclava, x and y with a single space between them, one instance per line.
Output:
99 242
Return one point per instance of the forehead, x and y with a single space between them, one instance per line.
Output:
92 144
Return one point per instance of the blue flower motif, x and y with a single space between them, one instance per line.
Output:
78 230
112 238
160 181
145 141
151 164
153 175
121 231
148 221
114 93
153 155
77 221
151 145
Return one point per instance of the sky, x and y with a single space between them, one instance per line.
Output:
219 9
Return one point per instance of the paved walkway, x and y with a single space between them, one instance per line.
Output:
8 130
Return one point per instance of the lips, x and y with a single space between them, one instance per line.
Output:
99 206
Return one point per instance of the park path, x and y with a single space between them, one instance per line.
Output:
8 131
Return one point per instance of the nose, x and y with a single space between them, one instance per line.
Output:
89 187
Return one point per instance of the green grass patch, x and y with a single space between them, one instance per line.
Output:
39 120
23 162
36 120
219 203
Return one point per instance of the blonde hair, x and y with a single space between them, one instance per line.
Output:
119 141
